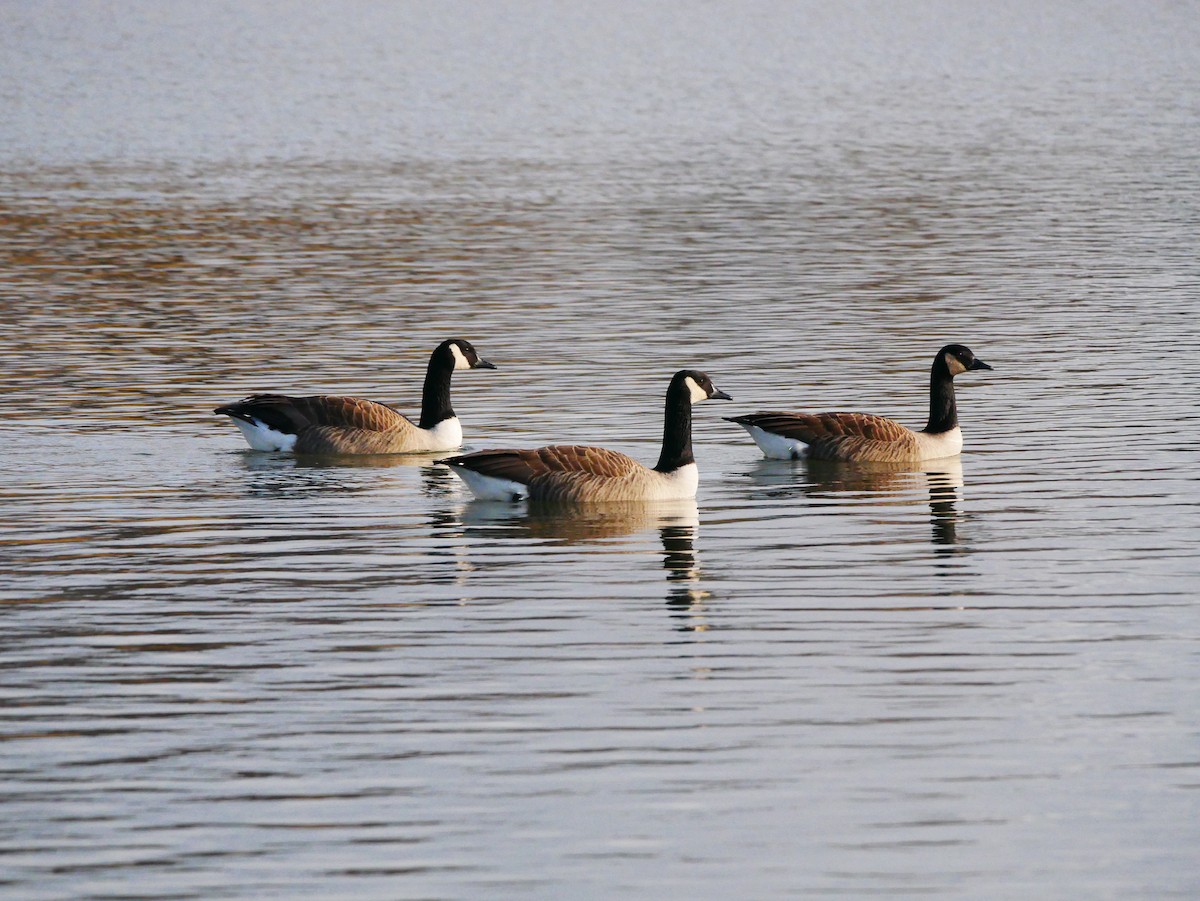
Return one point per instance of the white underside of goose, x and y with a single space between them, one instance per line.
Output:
775 446
490 488
264 438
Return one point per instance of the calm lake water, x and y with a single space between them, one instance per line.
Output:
228 674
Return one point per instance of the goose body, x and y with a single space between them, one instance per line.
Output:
863 437
579 473
332 424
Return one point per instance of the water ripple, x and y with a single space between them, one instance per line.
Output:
230 674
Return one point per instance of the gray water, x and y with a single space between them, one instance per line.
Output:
228 674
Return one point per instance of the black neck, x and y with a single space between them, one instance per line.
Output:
435 399
677 429
943 412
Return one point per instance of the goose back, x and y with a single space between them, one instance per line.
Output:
570 473
333 424
292 414
836 436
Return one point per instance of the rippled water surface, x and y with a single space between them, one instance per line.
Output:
233 674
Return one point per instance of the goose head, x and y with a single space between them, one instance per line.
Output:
698 385
958 358
460 354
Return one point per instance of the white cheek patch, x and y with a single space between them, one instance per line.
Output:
460 359
698 393
954 365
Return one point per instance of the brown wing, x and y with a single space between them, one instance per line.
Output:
330 439
567 473
351 413
526 466
840 436
292 415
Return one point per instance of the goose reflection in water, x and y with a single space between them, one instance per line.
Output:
883 484
280 474
575 524
685 598
571 523
437 481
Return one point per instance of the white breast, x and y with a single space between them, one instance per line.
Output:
446 435
677 485
943 444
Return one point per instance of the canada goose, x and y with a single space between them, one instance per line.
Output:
576 473
863 437
328 424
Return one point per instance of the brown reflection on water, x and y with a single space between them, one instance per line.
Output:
580 525
570 524
882 485
151 308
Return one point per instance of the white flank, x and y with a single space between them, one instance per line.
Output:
943 444
490 488
446 435
676 485
777 447
262 438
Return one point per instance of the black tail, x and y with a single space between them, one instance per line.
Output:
275 411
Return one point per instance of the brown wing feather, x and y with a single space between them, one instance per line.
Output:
565 472
328 439
498 464
592 461
350 413
294 414
332 424
524 466
841 436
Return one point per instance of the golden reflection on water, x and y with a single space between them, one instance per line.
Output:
571 523
820 478
129 306
888 483
880 487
